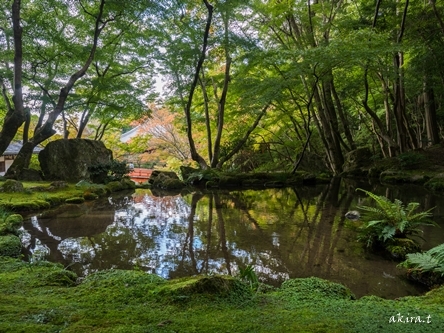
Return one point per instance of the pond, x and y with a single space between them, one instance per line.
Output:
283 233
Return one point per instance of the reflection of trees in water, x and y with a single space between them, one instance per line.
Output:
291 232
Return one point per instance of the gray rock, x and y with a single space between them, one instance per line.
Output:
70 159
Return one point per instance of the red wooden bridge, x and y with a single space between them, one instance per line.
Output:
140 175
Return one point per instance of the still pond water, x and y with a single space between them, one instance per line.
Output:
283 233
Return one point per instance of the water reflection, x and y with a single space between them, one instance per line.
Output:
283 233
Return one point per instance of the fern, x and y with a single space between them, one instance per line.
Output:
430 261
386 220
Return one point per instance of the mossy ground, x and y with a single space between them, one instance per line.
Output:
41 195
43 297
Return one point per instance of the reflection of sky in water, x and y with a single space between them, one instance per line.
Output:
278 233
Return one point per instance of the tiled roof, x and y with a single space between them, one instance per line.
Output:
15 146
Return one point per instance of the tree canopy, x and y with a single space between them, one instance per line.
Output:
248 84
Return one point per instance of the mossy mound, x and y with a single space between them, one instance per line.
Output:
21 206
124 184
207 287
10 224
75 200
10 246
60 277
12 186
313 287
165 180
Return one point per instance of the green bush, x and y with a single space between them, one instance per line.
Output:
104 173
410 160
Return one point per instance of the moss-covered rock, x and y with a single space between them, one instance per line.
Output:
10 246
115 186
165 180
12 186
398 248
10 224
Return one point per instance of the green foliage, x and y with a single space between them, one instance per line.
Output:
387 220
108 172
10 246
430 261
248 275
410 160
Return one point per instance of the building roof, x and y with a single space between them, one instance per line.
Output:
125 137
15 146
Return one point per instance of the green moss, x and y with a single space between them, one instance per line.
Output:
115 186
314 287
10 246
35 299
400 247
10 224
75 200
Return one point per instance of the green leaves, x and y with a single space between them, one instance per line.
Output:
431 261
387 220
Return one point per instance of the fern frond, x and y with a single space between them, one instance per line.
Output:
388 232
437 252
423 261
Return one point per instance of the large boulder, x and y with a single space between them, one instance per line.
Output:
357 162
70 159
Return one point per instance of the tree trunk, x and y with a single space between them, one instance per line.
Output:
46 130
194 154
430 115
15 115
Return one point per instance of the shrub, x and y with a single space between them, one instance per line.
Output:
410 160
108 172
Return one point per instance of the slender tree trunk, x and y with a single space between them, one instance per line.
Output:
207 116
430 115
194 154
244 139
223 99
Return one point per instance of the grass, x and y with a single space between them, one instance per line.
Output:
133 301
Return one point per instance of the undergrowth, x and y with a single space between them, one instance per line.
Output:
133 301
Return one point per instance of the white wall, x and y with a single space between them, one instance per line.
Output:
7 164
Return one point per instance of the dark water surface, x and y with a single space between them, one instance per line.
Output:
283 233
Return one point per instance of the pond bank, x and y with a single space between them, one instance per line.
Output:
44 297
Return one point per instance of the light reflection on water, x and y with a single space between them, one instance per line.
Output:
282 233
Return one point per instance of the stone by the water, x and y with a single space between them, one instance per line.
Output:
353 215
